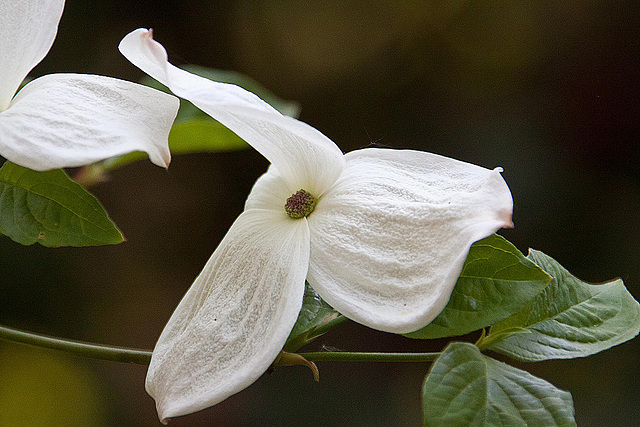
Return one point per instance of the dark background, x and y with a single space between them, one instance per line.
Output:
547 90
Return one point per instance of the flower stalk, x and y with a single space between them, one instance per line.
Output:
348 356
143 357
80 348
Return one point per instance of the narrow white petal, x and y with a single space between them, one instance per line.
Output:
235 319
27 31
67 120
304 157
389 240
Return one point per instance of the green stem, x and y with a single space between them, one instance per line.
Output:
143 357
94 351
344 356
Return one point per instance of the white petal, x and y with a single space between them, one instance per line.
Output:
235 319
27 31
269 192
304 157
388 242
67 120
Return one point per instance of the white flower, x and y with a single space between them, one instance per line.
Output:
67 120
384 243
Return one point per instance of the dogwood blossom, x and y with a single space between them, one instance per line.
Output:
66 120
380 234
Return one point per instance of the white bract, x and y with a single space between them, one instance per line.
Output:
67 120
380 234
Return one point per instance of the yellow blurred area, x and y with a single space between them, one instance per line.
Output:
42 388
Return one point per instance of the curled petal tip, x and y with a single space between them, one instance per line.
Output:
161 158
166 160
508 220
141 49
147 34
505 213
164 414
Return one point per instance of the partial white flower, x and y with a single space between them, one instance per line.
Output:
380 234
67 120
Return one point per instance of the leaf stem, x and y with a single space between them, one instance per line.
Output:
345 356
143 357
94 351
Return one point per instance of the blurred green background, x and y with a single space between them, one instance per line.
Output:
548 90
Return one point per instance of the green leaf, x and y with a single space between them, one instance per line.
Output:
51 209
196 136
570 318
466 388
188 111
313 320
496 281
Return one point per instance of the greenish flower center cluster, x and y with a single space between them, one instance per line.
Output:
300 204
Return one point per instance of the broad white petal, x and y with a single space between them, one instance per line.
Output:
235 319
67 120
27 31
389 240
304 157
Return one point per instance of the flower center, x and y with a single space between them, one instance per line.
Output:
300 204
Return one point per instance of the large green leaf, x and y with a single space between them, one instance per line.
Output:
570 318
496 281
466 388
51 209
315 313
